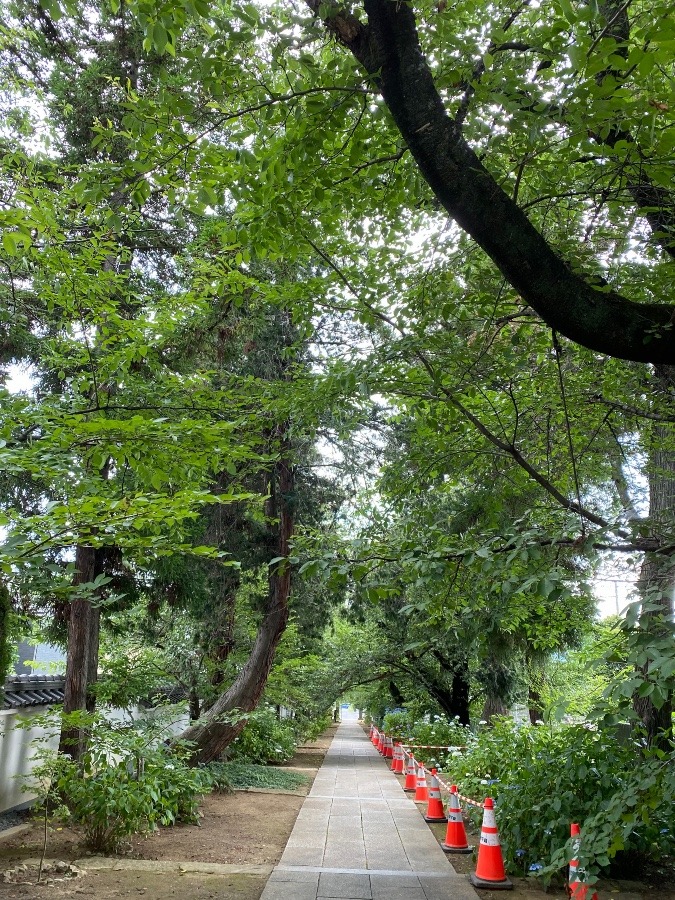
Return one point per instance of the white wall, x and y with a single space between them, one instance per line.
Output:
17 754
17 750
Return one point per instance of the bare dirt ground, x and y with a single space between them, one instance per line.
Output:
247 828
148 885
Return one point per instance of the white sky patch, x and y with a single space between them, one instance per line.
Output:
615 583
20 379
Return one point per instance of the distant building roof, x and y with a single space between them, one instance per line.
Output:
39 659
21 691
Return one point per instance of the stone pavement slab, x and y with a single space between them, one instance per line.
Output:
358 837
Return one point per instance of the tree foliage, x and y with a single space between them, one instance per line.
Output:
436 240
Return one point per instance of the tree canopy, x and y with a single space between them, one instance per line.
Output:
425 248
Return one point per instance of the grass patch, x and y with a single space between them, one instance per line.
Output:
239 775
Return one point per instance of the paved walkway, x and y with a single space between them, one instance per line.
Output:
359 837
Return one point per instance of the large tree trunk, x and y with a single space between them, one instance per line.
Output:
657 576
460 693
82 654
210 735
493 706
656 587
453 700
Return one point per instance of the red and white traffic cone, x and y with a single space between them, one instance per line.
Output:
389 748
455 835
421 792
397 760
435 811
380 742
490 872
576 889
410 776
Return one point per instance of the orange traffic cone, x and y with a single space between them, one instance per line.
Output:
376 736
435 807
576 889
380 742
455 835
389 748
397 759
421 792
410 776
370 731
490 872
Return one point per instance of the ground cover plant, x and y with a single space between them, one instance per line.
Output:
241 775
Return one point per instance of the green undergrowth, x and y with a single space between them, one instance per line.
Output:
240 775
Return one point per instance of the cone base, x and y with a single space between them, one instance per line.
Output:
448 849
435 818
580 891
504 885
409 790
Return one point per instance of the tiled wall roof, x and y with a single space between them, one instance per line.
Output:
21 691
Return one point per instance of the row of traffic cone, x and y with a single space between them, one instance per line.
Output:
490 870
382 742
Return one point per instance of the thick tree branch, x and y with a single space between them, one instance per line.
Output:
631 410
591 315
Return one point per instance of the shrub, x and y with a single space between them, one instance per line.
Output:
543 779
310 729
219 778
125 783
438 731
265 739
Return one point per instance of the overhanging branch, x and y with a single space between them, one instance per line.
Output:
589 314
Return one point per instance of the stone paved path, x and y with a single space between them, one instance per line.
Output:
359 837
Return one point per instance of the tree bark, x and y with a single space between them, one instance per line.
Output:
396 694
460 692
82 653
195 705
657 576
453 700
211 735
493 706
388 48
534 705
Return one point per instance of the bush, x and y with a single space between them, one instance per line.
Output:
543 779
265 739
125 783
219 777
437 732
311 729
